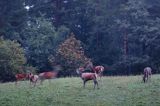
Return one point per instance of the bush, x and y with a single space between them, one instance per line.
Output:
12 58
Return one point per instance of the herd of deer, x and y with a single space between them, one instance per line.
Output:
34 78
85 76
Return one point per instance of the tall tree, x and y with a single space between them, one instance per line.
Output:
12 18
41 40
136 20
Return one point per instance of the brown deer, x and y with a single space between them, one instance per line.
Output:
86 76
47 75
20 77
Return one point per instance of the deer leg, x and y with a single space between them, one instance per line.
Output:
144 79
101 76
84 83
41 81
147 79
95 83
30 82
35 83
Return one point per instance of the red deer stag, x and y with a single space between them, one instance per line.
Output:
147 74
20 77
99 70
87 76
47 75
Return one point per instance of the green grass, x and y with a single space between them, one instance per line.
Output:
114 91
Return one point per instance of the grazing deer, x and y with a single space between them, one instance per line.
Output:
20 77
87 76
99 70
47 75
33 78
147 74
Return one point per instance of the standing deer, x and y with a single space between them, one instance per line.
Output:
87 76
147 74
33 78
20 77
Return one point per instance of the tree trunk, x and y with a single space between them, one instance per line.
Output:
125 40
56 16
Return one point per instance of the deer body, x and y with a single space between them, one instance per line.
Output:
20 77
33 79
88 76
147 74
47 75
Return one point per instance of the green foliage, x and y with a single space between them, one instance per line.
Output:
137 24
41 40
12 58
70 55
130 65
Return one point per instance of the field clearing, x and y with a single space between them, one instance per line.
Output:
114 91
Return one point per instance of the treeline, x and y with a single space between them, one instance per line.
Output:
122 35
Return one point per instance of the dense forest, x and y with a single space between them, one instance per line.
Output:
42 35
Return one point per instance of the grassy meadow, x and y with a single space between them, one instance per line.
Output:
114 91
